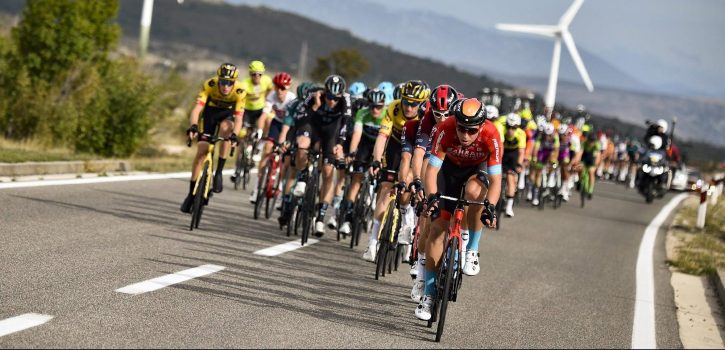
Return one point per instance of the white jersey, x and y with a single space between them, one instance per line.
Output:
575 144
273 105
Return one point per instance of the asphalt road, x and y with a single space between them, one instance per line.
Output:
552 279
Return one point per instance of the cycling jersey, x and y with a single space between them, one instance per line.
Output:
426 127
370 125
277 107
210 96
591 149
394 121
409 135
486 147
256 94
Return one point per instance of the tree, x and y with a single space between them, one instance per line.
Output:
349 63
56 34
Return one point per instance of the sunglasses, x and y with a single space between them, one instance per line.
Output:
440 114
469 131
255 74
378 106
409 103
332 97
225 82
281 88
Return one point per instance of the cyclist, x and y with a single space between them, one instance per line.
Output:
258 85
569 146
463 148
514 146
286 139
591 156
324 113
546 152
365 132
275 108
633 149
220 102
388 143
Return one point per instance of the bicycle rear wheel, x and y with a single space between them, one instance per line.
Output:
308 206
271 201
446 290
261 191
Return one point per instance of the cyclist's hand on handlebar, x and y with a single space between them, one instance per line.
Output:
401 186
416 187
488 217
234 139
192 131
374 167
431 207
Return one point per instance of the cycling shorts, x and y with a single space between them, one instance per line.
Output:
391 161
250 118
325 134
211 117
275 128
451 180
510 159
364 155
564 155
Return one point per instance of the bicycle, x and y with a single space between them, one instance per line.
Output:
204 180
388 236
343 165
268 184
547 191
309 199
244 163
449 278
362 209
585 185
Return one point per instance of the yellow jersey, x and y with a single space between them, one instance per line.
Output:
394 120
257 94
517 141
212 97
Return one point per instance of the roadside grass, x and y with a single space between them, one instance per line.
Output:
699 251
29 151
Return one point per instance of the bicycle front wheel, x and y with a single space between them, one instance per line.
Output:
198 205
451 264
261 191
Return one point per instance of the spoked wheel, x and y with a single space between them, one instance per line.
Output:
499 212
447 284
297 215
261 191
198 204
270 202
238 171
381 258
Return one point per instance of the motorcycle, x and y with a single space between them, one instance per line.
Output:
652 175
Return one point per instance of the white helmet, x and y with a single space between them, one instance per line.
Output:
563 128
662 124
540 122
655 142
549 129
491 112
513 120
580 108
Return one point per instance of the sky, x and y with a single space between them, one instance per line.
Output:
659 42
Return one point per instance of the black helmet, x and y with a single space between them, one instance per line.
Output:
470 112
376 97
335 85
227 71
398 91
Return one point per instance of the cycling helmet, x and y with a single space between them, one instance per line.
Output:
387 87
376 97
580 108
492 113
227 71
256 67
662 124
303 89
470 112
549 129
282 79
513 120
655 142
335 85
397 90
563 129
540 122
442 97
415 90
357 89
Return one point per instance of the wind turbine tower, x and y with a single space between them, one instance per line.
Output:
558 32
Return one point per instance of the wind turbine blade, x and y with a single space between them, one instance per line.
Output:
570 13
569 41
545 30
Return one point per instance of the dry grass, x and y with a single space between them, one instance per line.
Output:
700 251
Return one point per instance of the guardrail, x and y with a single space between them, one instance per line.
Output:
713 190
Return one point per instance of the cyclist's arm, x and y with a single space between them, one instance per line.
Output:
239 110
355 139
386 128
417 162
493 165
195 112
404 166
431 173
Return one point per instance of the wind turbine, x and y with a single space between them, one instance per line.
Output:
558 32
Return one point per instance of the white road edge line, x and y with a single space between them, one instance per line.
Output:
643 327
24 321
167 280
94 180
284 248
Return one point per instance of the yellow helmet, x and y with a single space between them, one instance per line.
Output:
256 67
227 71
415 90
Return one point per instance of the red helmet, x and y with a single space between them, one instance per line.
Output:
443 97
282 79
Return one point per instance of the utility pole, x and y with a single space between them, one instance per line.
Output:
302 66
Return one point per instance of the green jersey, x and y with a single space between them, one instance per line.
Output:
369 124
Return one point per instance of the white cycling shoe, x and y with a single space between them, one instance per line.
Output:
278 204
535 201
471 268
319 228
405 235
345 228
414 270
253 196
422 311
370 254
299 188
416 294
510 212
332 223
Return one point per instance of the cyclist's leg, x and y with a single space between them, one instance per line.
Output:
327 137
305 135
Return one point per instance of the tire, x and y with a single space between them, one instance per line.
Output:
649 196
381 258
261 191
308 206
447 286
298 220
198 206
272 201
238 172
542 198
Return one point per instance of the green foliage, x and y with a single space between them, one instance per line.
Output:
56 34
349 63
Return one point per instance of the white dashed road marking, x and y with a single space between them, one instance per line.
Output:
24 321
167 280
284 248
